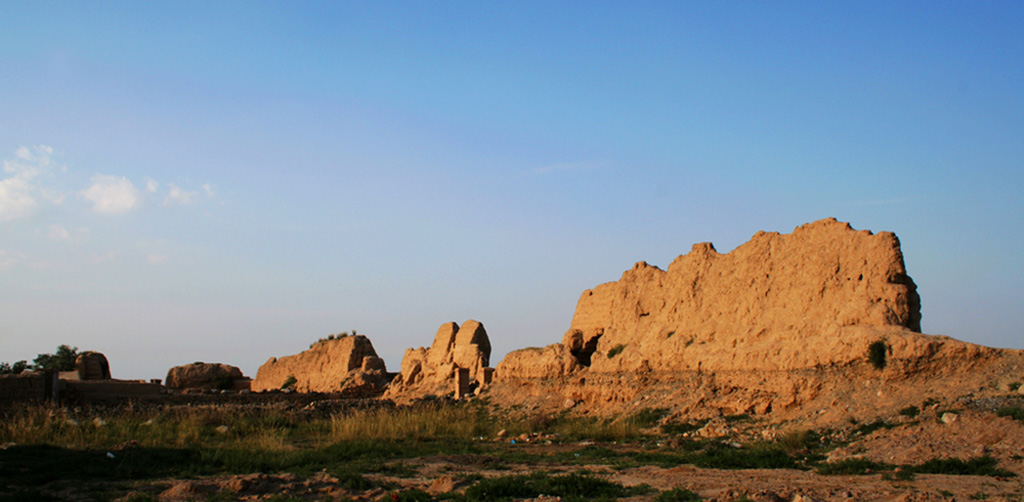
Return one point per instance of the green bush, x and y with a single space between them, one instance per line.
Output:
978 466
571 487
759 456
13 369
648 417
1014 412
678 494
614 351
854 466
877 352
289 382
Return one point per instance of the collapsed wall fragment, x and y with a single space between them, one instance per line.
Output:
347 364
459 355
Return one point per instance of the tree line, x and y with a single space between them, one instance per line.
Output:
62 360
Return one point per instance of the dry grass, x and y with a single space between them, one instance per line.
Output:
181 428
414 423
262 429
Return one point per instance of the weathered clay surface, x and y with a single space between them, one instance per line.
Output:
92 366
431 371
202 375
779 322
347 364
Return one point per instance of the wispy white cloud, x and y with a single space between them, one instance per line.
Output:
16 198
18 193
112 194
39 155
31 179
175 195
157 259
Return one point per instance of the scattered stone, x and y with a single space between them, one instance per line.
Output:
223 429
443 484
949 417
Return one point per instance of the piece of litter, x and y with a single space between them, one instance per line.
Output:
110 455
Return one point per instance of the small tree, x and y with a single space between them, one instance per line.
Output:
13 369
63 360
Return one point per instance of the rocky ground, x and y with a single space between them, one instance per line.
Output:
893 448
440 475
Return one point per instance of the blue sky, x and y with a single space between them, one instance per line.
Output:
228 182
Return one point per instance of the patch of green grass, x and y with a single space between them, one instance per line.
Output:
412 495
285 498
978 466
683 427
225 495
570 487
678 494
1014 412
852 466
33 464
23 494
648 417
616 350
757 456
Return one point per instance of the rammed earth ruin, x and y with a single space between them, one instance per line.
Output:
783 327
